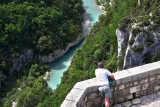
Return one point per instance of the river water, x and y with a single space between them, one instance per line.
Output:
59 66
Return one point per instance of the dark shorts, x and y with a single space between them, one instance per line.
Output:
105 91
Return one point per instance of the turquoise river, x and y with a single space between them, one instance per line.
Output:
59 66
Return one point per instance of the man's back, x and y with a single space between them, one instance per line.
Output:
101 76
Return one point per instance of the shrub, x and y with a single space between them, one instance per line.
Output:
120 63
136 30
137 48
98 3
130 42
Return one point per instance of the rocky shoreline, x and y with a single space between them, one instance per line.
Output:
60 52
101 7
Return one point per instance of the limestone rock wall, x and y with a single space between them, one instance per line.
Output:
60 52
135 49
22 60
131 83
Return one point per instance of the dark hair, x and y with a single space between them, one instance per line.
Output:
100 64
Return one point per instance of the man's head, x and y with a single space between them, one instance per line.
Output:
100 65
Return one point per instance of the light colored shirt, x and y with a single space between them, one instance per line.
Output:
101 76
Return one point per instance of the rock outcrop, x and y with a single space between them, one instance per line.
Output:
60 52
22 60
136 49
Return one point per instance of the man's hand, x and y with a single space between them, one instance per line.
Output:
112 75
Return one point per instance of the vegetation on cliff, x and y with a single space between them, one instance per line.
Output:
42 26
143 28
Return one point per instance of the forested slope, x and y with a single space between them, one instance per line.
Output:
38 25
41 25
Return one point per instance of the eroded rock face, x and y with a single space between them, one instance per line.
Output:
60 52
122 38
136 49
22 60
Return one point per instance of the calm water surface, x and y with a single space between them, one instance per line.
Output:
62 64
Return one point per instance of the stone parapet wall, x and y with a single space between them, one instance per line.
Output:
131 83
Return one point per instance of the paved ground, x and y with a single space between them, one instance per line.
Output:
151 100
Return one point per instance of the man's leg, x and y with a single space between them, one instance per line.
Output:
103 105
103 100
106 102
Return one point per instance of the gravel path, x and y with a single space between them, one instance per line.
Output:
151 100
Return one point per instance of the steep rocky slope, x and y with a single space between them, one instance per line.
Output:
138 35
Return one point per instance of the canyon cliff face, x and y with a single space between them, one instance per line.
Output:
137 49
60 52
22 60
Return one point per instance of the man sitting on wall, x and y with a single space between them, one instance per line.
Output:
103 83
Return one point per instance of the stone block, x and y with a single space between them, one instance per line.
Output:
121 99
86 99
158 82
152 78
82 85
135 83
152 68
76 95
127 104
157 88
93 87
144 81
138 73
123 77
158 77
96 101
129 97
138 88
117 78
150 90
92 82
67 103
136 101
88 85
116 95
133 90
121 87
92 96
153 83
139 94
126 91
127 85
89 104
145 86
131 84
